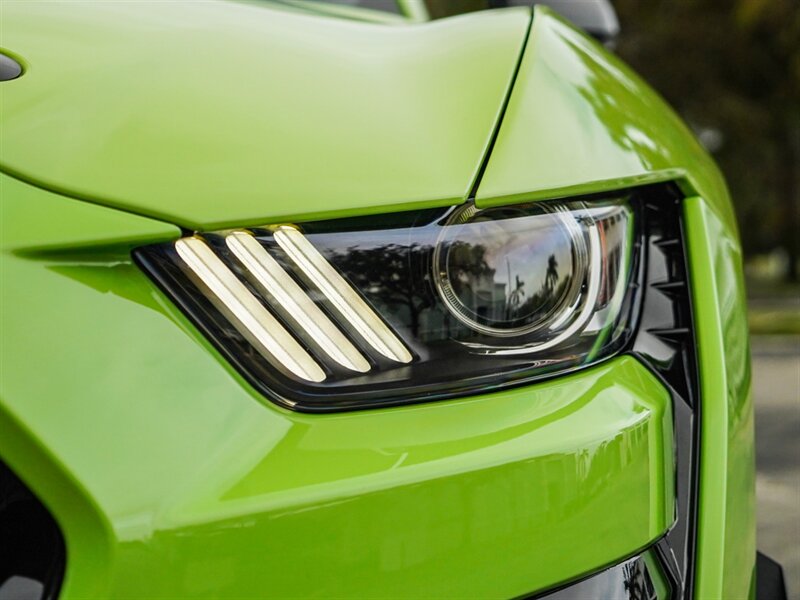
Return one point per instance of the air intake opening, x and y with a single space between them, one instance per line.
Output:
32 550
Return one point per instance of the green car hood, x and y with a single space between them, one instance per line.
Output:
209 114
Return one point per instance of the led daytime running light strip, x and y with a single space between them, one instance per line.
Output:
275 281
262 329
245 312
343 297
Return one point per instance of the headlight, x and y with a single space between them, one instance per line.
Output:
412 306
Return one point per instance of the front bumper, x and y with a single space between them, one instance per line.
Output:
156 458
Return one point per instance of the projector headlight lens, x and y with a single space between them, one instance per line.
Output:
411 306
510 271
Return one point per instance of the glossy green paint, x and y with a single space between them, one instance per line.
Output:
344 11
36 228
727 535
156 457
660 581
169 464
408 10
34 223
579 121
215 114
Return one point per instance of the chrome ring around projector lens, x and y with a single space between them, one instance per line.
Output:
509 271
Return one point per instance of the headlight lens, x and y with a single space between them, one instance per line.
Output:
413 306
510 271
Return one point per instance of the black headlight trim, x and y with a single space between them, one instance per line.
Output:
159 261
665 343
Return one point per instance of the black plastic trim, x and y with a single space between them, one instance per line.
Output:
32 548
628 580
770 584
665 342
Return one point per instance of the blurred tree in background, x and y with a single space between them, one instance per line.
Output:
732 69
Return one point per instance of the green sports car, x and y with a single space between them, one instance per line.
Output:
302 299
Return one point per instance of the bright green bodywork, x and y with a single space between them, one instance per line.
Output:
227 114
168 474
209 490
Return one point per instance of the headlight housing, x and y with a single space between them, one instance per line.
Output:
413 306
